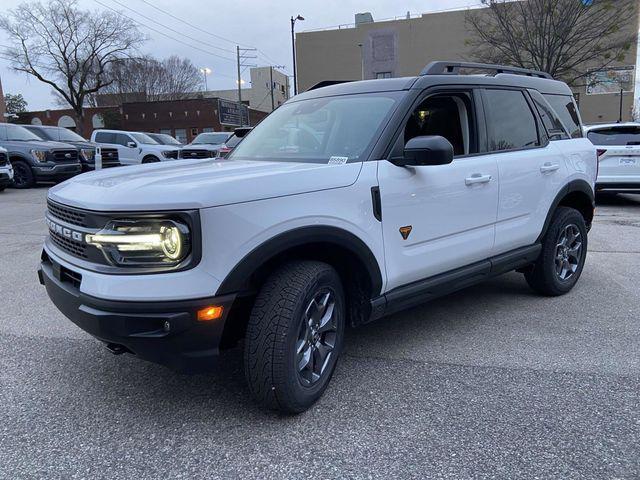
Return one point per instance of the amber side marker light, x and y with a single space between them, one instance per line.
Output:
210 313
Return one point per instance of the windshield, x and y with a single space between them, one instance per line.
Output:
211 138
615 136
144 139
67 135
319 130
16 132
166 139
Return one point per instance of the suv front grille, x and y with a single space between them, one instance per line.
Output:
67 214
64 156
71 246
197 153
3 159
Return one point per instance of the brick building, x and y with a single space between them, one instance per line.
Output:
184 119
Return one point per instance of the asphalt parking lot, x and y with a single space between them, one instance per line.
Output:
491 382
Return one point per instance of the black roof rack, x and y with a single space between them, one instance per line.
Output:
453 68
326 83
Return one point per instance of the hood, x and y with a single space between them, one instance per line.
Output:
159 147
40 145
85 144
198 184
203 146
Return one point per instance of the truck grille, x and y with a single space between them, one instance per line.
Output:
71 246
3 159
193 153
110 156
64 156
67 214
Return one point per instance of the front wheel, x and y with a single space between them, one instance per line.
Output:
22 175
294 336
564 250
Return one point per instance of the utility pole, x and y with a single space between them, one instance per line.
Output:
293 51
621 107
241 63
273 103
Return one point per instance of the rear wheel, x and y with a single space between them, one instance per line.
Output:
150 159
22 175
294 336
564 250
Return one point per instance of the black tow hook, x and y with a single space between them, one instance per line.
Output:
117 349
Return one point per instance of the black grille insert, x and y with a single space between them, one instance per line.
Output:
71 246
64 156
197 153
3 158
67 214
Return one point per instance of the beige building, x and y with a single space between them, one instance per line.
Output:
396 48
269 88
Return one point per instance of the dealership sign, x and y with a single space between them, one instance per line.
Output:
232 113
610 80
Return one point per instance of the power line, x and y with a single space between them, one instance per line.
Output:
194 26
166 35
176 31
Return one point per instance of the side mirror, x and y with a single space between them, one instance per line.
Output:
426 150
131 144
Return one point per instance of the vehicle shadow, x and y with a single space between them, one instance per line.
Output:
617 200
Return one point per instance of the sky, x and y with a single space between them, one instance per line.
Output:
216 27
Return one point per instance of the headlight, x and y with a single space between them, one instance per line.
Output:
167 153
88 154
138 243
39 155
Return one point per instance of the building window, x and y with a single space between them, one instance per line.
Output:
208 129
166 131
181 135
383 75
194 132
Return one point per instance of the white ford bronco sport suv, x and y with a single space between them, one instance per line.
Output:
349 202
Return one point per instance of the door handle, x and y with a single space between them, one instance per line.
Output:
477 178
549 167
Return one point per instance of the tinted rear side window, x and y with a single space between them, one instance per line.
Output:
511 123
105 137
551 122
615 136
565 107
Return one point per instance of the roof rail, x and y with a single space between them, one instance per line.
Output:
326 83
453 68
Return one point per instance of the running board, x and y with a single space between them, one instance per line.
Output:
422 291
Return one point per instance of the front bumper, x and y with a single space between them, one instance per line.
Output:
5 179
167 333
58 171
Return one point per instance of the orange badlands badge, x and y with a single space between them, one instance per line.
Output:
405 231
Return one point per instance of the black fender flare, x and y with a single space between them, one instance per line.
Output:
237 279
579 185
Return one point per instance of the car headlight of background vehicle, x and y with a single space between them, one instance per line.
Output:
143 242
167 153
39 155
88 154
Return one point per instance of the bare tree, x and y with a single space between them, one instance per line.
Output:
565 38
67 48
149 79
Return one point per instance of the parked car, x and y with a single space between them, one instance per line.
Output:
164 139
135 147
205 145
618 147
86 149
35 160
6 172
346 204
233 141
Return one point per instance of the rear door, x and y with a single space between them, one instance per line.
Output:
618 154
531 169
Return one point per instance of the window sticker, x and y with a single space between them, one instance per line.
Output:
338 160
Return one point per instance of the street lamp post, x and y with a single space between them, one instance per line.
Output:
205 71
293 51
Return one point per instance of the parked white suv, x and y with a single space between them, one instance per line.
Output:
618 148
347 203
135 147
6 171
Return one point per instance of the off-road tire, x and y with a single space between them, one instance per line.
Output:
543 277
272 339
